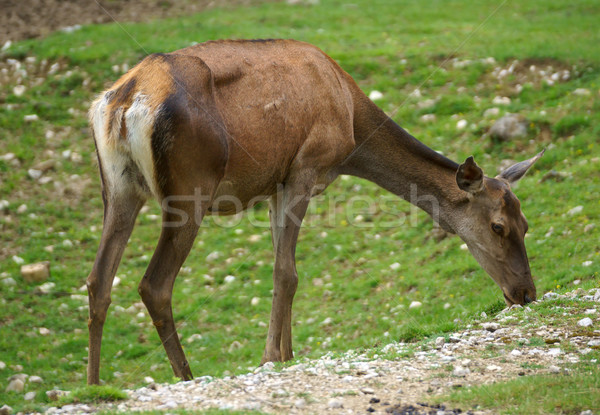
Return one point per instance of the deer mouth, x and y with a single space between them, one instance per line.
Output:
526 299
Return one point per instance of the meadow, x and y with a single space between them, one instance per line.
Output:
363 255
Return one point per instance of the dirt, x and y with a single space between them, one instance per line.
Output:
25 19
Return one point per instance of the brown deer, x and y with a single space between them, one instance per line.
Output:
243 121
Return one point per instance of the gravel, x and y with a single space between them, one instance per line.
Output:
358 382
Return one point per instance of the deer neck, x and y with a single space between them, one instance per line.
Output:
389 156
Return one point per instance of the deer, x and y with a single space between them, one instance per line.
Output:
243 121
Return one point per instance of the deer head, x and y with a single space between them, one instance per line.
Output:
493 227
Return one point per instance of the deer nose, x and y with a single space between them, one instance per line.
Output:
527 299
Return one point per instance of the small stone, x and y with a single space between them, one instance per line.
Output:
585 322
45 288
509 127
34 174
300 403
594 343
367 391
2 365
235 345
35 379
31 118
19 90
575 210
491 327
44 331
254 301
582 92
15 385
501 100
395 266
554 369
148 380
589 227
460 371
586 263
29 396
439 342
56 394
491 112
375 95
280 393
516 353
229 279
427 118
415 304
36 272
335 403
6 410
461 124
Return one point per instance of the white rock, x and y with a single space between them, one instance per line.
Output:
501 101
461 124
36 272
447 306
460 371
15 385
586 263
582 92
427 118
464 247
19 90
2 365
491 112
29 396
44 331
554 352
31 118
229 279
300 403
45 288
327 321
280 393
255 301
595 342
34 174
336 403
148 380
490 326
439 342
575 210
415 304
554 369
35 379
516 353
585 322
375 95
367 391
493 368
395 266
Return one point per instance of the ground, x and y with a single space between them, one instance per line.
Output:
372 270
34 18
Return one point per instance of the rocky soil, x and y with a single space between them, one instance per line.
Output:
399 377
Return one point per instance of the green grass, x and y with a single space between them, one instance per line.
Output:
538 394
393 48
93 394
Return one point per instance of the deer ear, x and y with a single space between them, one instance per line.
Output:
516 171
469 176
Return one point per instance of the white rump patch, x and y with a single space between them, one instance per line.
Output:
139 120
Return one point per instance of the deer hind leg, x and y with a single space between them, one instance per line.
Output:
287 209
120 211
156 288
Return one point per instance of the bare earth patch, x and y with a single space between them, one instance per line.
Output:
26 19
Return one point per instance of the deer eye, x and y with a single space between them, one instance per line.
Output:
499 229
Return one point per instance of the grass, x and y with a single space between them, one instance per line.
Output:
538 394
93 394
393 49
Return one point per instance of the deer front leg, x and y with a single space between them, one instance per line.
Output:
119 219
287 211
